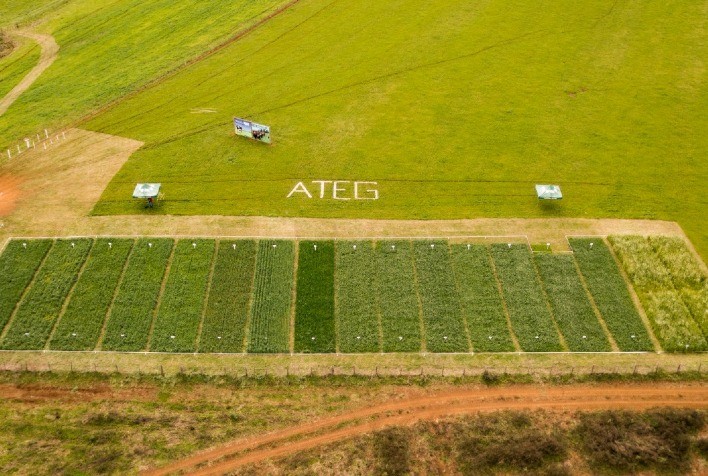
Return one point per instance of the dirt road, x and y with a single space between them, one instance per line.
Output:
291 440
50 49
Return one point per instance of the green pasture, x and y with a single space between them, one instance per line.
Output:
324 296
455 108
18 63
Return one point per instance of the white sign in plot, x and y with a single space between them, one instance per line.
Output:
252 130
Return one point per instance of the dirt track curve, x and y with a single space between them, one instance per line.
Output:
50 48
328 430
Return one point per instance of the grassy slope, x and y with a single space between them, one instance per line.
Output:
110 48
464 104
17 64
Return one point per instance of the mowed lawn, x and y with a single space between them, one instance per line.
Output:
455 108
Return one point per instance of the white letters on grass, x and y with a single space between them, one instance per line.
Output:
337 190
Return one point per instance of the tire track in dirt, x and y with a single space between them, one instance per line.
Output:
250 450
50 49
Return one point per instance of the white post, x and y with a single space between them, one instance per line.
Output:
45 145
63 135
18 148
9 155
46 134
27 142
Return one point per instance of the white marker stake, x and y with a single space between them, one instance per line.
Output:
63 135
149 245
233 246
18 148
354 246
509 245
45 145
468 247
110 245
432 246
194 245
315 247
9 155
46 134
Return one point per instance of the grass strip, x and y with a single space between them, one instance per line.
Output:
269 329
481 303
398 302
80 326
670 318
570 304
314 306
180 311
530 318
18 264
41 307
609 291
355 276
442 314
227 308
132 312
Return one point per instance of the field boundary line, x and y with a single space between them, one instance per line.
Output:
207 293
69 295
293 297
25 291
163 285
102 335
635 298
596 310
500 290
419 298
544 291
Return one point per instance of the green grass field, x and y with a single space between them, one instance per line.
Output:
274 296
17 64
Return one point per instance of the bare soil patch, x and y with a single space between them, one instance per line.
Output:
9 193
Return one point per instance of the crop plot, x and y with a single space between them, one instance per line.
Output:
355 277
314 309
480 299
671 319
609 291
687 276
530 318
269 329
442 314
130 318
398 301
80 326
18 264
180 310
43 303
569 301
229 296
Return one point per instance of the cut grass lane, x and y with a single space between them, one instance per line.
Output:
530 318
80 326
570 304
609 291
269 328
479 295
227 307
442 314
314 309
180 309
132 312
357 316
43 303
397 298
18 265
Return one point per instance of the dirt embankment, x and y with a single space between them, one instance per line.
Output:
291 440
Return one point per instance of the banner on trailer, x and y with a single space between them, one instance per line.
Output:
252 130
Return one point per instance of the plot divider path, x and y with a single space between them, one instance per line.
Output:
514 339
596 310
25 292
163 285
635 298
463 314
547 300
251 298
416 286
102 335
65 304
377 299
293 297
205 301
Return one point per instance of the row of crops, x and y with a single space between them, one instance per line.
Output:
279 296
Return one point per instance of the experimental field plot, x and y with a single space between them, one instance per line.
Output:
349 296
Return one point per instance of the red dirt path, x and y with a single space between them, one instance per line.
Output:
291 440
9 193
